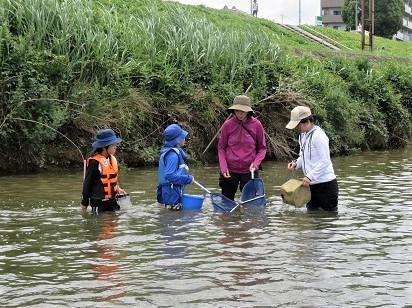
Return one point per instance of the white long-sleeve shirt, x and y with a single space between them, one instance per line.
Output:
314 156
255 6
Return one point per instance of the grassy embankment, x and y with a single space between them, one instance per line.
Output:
352 40
72 67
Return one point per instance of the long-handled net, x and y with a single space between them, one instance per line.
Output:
252 190
224 204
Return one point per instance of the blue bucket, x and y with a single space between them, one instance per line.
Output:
192 202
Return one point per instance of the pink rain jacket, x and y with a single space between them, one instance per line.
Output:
239 147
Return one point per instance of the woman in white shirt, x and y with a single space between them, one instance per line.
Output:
314 160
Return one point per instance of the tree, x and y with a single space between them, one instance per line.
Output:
388 15
348 13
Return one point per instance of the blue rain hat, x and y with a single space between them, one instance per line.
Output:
104 138
174 134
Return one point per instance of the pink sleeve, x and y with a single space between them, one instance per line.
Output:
221 148
260 146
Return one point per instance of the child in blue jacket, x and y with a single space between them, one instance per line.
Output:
173 171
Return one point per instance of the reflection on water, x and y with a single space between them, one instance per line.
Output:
104 259
145 256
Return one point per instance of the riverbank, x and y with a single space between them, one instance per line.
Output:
137 66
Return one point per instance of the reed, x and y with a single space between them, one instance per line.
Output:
97 41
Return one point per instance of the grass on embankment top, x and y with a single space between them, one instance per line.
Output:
353 41
229 19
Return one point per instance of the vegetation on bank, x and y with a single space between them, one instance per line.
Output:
383 47
387 16
69 68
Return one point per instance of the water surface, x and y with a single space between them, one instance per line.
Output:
51 255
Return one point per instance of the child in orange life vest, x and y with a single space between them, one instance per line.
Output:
101 186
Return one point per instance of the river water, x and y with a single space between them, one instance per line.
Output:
51 255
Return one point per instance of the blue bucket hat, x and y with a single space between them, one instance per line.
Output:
104 138
174 134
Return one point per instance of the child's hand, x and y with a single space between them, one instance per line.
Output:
121 192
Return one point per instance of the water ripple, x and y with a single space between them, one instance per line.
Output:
146 256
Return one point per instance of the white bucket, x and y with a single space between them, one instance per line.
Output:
124 201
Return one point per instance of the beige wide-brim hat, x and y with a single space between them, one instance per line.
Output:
298 113
242 103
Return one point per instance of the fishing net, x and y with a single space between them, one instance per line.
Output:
253 189
222 203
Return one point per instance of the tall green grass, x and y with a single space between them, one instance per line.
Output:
70 28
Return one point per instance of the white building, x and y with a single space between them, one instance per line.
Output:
405 33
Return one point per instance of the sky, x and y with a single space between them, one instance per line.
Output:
275 10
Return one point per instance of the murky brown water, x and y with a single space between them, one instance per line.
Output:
145 256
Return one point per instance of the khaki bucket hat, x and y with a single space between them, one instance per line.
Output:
294 193
242 103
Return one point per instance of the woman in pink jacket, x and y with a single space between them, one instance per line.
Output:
241 147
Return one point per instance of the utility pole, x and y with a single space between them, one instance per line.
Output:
356 15
299 13
251 11
371 21
363 25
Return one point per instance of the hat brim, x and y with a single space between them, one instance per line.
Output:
178 139
101 144
241 108
292 124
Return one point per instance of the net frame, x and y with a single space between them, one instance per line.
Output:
251 191
224 204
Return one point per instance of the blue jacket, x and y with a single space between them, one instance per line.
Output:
172 175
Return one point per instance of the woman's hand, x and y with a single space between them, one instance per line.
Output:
292 165
306 181
226 174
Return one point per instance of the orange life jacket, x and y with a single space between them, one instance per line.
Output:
109 174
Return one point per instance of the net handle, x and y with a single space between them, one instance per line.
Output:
202 187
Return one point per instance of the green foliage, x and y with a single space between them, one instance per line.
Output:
388 16
74 67
357 97
348 13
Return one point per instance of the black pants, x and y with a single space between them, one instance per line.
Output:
230 185
104 206
325 196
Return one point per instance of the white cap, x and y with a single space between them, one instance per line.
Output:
298 113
